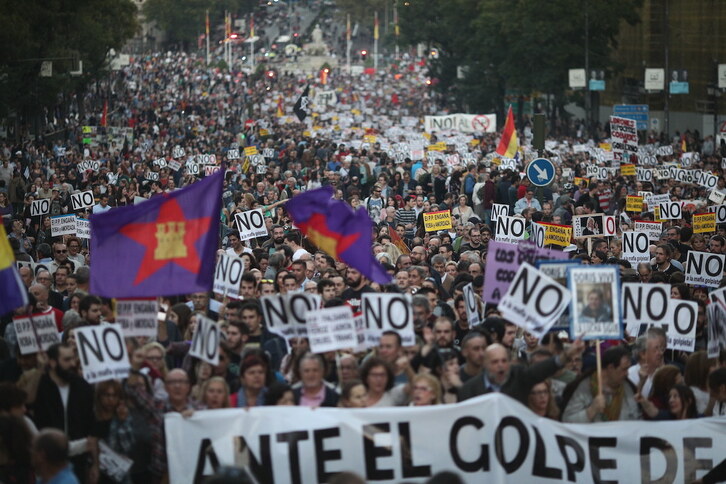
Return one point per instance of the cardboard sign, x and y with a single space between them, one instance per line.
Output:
285 315
40 207
555 234
388 312
137 317
627 169
36 333
178 152
510 229
82 200
634 204
102 352
228 275
233 154
636 247
644 304
704 268
503 260
205 342
681 333
250 224
653 229
175 165
716 197
534 301
331 329
720 211
83 228
595 307
624 135
704 223
472 307
499 210
591 225
159 162
250 150
62 225
210 170
654 201
670 211
86 165
435 221
152 175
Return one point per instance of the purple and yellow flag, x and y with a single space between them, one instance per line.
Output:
162 247
338 230
12 291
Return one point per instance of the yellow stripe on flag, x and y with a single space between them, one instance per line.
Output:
6 252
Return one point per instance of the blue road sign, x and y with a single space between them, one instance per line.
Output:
541 172
637 112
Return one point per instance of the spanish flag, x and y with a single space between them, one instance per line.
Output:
684 146
280 111
14 294
508 145
252 25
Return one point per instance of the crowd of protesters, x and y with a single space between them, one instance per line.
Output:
172 100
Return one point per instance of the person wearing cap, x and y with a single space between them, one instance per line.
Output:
527 201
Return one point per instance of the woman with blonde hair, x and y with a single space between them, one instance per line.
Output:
425 390
215 393
155 360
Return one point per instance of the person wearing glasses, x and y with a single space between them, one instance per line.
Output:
60 257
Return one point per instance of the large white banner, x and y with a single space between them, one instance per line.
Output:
465 123
491 439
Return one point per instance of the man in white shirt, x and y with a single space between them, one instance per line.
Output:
102 205
292 239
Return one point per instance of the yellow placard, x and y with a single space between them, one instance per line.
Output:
634 204
306 133
555 234
336 127
264 132
317 128
440 220
426 135
606 146
355 111
704 222
369 138
474 142
627 170
245 166
250 150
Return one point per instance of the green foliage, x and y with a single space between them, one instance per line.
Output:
525 45
31 30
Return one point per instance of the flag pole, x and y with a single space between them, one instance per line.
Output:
598 358
348 43
395 24
375 40
206 25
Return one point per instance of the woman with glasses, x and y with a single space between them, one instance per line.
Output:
542 402
155 360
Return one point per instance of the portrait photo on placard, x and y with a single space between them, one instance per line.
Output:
595 307
590 225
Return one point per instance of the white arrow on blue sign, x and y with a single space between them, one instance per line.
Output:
541 172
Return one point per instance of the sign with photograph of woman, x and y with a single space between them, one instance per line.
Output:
595 306
590 225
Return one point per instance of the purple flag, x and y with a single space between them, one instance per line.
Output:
164 246
338 230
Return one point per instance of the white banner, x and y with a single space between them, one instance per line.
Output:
138 317
82 200
465 123
510 229
704 268
492 439
62 225
205 342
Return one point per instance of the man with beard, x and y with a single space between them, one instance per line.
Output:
278 239
65 401
357 285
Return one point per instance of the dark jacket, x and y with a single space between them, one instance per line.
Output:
518 385
79 414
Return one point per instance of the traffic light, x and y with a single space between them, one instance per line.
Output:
434 54
324 76
363 55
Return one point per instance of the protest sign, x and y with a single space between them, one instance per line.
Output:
152 175
228 275
160 163
491 438
595 308
636 247
654 201
716 197
643 174
233 154
112 464
644 304
681 333
36 329
627 169
250 224
138 317
86 165
83 228
102 352
174 165
503 260
704 268
716 312
510 229
471 304
704 223
62 225
624 135
720 211
82 200
591 225
40 207
557 270
285 313
331 329
465 123
653 229
178 152
388 312
205 342
499 210
533 301
210 170
670 210
634 204
537 234
434 221
555 234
